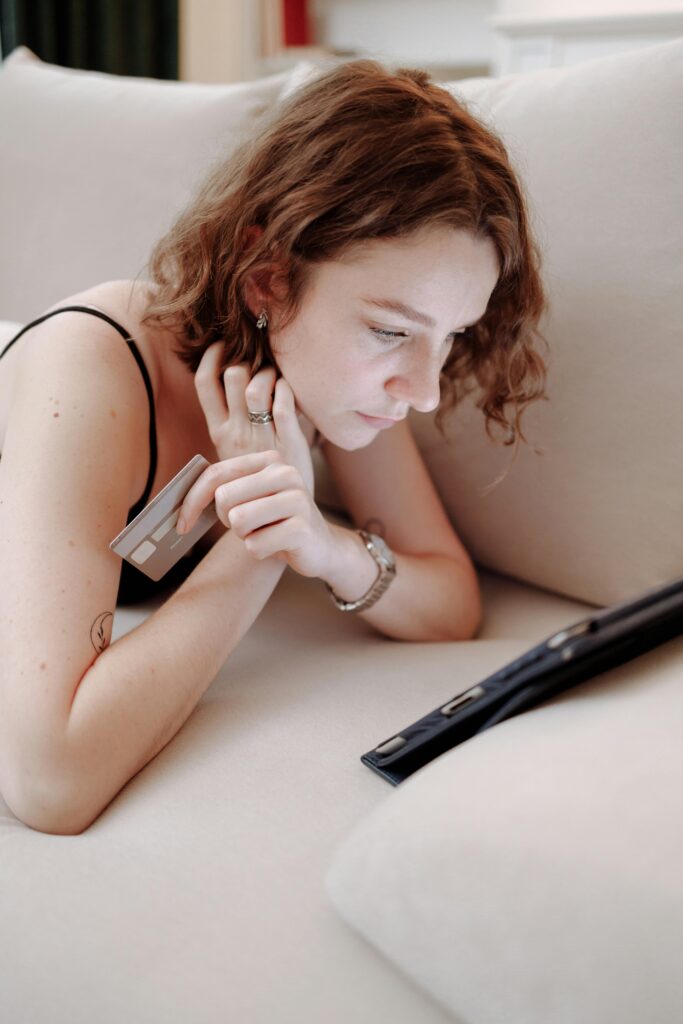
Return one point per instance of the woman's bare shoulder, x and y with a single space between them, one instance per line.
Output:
59 337
124 301
83 353
124 298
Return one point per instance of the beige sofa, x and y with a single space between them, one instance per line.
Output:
255 870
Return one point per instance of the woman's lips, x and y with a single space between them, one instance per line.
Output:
377 421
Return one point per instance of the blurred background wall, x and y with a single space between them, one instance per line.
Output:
234 40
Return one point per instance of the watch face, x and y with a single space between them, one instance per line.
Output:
383 549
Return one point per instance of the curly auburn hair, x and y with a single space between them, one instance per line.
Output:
359 153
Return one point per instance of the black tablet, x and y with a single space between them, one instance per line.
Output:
601 641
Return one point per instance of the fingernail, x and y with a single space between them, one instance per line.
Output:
181 525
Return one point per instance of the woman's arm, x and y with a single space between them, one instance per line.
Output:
435 595
387 490
432 597
79 718
142 689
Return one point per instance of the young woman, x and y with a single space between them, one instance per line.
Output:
367 253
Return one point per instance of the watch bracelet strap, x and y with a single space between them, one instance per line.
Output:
379 587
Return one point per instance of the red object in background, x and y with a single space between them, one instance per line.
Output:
295 22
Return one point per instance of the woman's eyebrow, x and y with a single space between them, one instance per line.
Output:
395 306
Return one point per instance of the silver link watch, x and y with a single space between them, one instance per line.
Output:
386 563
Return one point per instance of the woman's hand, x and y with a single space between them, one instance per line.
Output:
263 483
266 502
226 405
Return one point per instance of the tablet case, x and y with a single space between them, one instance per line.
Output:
601 641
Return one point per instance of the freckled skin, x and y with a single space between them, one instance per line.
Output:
446 273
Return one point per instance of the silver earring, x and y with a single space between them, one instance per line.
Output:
262 320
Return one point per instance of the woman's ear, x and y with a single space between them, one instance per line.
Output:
265 288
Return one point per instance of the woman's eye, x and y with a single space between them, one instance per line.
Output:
388 335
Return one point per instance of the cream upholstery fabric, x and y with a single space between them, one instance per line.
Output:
95 167
598 515
198 894
533 874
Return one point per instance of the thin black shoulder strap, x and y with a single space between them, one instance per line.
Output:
139 505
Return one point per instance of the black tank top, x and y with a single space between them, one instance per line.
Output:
133 586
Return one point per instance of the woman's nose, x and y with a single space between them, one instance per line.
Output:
418 387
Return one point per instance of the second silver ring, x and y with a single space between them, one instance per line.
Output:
260 417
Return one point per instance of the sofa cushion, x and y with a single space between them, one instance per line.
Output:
95 167
532 874
197 895
598 515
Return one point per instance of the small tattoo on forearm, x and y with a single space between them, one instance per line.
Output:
100 631
375 526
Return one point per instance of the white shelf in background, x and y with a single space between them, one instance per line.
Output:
527 43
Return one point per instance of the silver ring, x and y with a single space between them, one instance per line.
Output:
260 417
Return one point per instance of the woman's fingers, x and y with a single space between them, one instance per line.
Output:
272 541
235 380
275 478
203 490
259 390
259 398
266 511
246 395
209 392
226 403
289 431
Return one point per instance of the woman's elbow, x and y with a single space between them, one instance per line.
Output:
466 613
43 802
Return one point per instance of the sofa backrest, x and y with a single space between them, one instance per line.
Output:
598 516
95 167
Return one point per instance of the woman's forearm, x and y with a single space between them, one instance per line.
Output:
141 689
432 597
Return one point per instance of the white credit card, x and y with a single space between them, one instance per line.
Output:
150 541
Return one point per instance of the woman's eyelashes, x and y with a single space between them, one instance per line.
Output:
389 336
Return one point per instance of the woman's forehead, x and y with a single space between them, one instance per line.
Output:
438 242
391 271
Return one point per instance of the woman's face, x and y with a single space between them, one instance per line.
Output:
376 326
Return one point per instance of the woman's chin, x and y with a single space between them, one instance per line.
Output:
350 440
346 431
